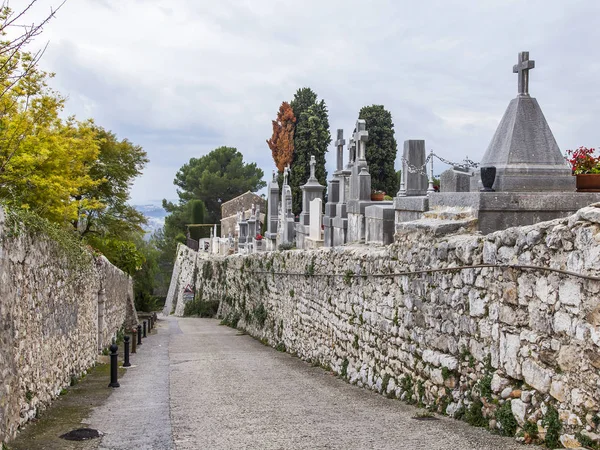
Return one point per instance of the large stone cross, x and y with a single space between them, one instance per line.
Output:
361 136
522 68
340 149
313 164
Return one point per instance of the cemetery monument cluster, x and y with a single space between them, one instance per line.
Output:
522 179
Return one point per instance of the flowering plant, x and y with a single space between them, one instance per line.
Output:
377 191
258 237
583 161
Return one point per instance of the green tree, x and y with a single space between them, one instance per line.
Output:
117 165
381 148
147 278
216 178
311 137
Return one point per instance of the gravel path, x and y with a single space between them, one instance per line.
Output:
229 391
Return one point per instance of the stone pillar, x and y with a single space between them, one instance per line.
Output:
273 209
334 191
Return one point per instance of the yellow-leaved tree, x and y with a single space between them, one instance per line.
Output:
44 160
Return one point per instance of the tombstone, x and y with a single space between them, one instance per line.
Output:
315 235
533 182
454 180
360 188
243 237
340 221
272 213
334 193
285 228
310 191
414 174
411 201
523 149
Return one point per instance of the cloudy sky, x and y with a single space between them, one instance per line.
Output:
182 77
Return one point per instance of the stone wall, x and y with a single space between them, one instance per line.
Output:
58 306
497 346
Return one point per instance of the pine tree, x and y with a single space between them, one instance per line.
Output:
282 140
381 148
311 137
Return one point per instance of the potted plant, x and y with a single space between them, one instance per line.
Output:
586 167
377 195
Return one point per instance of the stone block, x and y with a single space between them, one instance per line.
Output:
410 208
537 376
455 181
379 224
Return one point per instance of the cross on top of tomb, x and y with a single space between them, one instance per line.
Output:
313 164
522 68
361 136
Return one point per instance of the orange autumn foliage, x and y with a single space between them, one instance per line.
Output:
282 141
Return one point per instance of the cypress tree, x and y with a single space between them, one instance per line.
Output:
381 148
311 137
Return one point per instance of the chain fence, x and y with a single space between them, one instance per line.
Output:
465 165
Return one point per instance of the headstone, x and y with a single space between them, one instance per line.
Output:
413 168
286 230
243 237
412 201
311 190
523 149
334 191
360 188
316 213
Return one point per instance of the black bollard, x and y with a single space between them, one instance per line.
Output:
113 366
126 362
133 340
139 335
149 324
144 328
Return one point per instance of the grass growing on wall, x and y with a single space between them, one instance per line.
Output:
21 222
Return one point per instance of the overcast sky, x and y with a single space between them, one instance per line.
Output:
182 77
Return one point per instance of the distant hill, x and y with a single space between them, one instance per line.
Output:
155 215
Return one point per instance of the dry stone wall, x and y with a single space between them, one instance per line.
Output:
57 309
513 348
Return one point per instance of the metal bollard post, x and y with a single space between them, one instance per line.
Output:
126 362
134 340
113 366
144 328
139 334
149 324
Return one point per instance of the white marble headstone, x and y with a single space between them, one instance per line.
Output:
316 219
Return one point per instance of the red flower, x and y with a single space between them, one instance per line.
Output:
583 160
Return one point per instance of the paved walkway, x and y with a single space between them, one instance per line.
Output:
214 388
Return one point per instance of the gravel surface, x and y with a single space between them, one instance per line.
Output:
229 391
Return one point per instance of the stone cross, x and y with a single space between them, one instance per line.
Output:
361 136
350 152
313 163
522 68
340 149
286 172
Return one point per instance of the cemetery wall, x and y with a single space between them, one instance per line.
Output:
58 307
497 346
